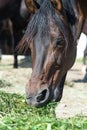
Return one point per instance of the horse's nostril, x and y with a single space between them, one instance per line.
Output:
42 96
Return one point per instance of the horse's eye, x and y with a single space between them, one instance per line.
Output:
59 43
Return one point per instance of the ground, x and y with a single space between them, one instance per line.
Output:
74 100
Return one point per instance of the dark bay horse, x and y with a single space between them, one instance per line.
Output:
6 36
13 10
51 35
84 30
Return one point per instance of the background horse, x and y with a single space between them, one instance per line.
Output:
84 69
84 30
6 36
51 35
18 14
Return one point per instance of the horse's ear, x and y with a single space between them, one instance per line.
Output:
57 4
32 5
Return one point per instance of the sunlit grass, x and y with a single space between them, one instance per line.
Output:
15 114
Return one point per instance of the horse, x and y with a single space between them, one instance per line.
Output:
6 36
84 30
84 68
18 14
51 35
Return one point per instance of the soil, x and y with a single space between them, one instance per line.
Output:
74 100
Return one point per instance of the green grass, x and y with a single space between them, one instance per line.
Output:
15 114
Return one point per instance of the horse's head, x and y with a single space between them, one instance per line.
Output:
53 53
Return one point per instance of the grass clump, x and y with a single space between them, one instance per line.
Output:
69 84
15 114
4 83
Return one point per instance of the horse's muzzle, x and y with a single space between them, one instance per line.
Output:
39 99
